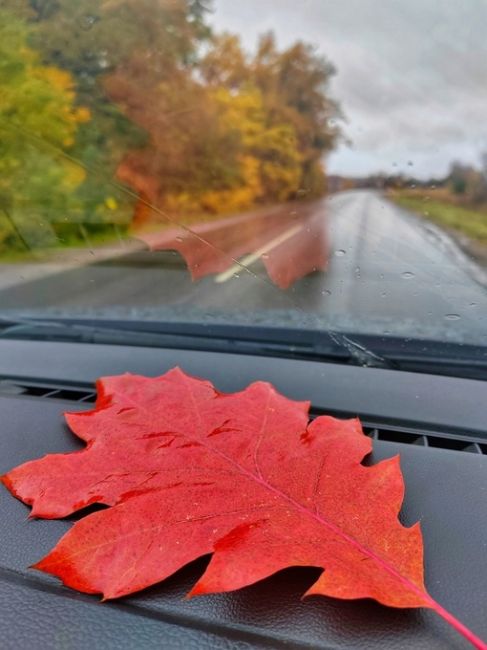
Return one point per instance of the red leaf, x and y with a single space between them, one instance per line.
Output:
189 471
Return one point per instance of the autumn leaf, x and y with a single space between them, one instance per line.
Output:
189 471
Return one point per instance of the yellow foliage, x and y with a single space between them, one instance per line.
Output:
74 174
242 112
57 78
111 203
82 114
274 172
181 204
239 198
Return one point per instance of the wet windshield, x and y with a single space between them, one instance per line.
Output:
317 165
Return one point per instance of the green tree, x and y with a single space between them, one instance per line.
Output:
36 106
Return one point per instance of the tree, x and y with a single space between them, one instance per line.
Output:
37 112
188 129
293 85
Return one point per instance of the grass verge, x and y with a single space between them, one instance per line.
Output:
469 222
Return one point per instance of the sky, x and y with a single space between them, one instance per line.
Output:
411 74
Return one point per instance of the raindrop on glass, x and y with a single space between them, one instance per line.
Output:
326 292
340 252
452 317
407 275
87 21
180 239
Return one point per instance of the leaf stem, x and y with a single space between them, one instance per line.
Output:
459 626
441 611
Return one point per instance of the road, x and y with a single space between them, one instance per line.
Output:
383 270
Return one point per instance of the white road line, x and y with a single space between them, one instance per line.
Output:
253 257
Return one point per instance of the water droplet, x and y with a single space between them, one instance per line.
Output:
180 239
383 294
407 275
340 253
473 304
236 275
452 317
410 163
326 292
265 256
87 21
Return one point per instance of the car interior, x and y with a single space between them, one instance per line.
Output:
263 191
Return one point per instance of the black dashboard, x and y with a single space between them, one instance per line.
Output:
437 425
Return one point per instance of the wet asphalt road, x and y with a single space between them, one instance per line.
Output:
386 267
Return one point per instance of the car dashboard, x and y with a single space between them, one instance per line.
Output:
436 424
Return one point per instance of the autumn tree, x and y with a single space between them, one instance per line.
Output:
187 120
299 115
37 116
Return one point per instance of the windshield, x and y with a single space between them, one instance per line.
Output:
313 166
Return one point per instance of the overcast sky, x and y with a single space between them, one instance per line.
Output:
412 74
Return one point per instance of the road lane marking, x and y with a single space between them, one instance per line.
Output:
253 257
